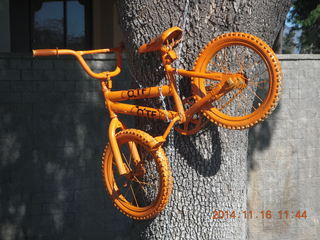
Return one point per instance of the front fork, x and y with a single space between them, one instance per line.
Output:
123 168
115 124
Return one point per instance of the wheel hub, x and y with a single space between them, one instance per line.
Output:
237 81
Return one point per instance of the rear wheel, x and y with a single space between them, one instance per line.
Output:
251 58
145 191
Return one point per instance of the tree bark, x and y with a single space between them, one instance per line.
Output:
209 169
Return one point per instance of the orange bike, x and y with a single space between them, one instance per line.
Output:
235 83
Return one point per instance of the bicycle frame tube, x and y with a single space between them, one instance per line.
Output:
140 93
142 111
177 100
114 107
113 99
221 88
212 95
216 76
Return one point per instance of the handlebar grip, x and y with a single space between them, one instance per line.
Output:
45 52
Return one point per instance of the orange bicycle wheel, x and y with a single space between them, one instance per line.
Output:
145 191
244 54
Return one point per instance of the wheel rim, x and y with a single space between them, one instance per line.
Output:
239 105
137 193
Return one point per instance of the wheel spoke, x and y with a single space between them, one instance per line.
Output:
220 63
141 186
254 64
255 94
246 55
138 181
230 100
138 194
257 75
130 183
257 84
237 56
225 66
214 63
242 60
134 196
130 153
241 106
246 99
125 159
128 188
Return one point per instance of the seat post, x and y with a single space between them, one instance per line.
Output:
168 56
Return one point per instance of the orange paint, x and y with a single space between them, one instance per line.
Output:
235 94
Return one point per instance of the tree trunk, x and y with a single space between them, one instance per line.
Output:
209 169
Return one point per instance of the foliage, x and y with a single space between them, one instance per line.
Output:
288 43
305 15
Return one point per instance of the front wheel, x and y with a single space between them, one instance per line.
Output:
251 58
145 191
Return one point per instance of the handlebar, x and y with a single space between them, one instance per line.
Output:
79 54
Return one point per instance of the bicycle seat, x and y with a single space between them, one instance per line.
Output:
173 33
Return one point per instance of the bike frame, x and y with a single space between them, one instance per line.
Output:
113 98
239 61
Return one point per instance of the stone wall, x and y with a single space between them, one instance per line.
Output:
53 129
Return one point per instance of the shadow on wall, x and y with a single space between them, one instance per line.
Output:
52 133
260 137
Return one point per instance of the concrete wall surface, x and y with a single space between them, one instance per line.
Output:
53 128
284 154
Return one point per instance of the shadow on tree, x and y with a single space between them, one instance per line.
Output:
204 158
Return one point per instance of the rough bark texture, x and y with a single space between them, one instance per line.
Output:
209 168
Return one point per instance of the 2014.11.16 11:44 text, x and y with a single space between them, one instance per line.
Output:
263 214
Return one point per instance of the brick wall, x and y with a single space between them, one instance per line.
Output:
53 128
